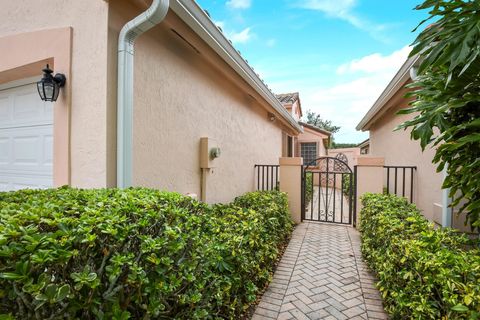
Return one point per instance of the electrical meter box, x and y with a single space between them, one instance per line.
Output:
209 153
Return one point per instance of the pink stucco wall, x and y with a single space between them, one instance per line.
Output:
398 150
87 82
183 92
352 154
310 136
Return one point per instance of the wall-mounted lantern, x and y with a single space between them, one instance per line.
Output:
49 86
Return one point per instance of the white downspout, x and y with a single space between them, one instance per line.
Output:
446 202
126 40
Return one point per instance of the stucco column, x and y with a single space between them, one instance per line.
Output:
291 183
369 175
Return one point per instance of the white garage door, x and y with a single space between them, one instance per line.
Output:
26 139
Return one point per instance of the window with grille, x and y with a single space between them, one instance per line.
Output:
308 151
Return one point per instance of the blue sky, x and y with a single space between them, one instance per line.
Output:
339 54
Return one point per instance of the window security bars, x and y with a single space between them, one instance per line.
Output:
308 151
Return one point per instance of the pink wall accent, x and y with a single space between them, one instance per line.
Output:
24 55
399 150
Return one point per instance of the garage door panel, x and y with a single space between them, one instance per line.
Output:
17 181
26 148
5 108
48 150
27 106
4 151
26 139
21 106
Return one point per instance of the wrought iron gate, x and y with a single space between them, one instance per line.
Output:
327 190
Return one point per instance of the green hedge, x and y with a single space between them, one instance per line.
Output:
138 253
424 273
346 187
308 183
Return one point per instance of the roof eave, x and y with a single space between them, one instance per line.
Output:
196 18
398 81
312 127
364 143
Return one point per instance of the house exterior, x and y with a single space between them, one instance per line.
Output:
313 142
188 82
399 150
364 146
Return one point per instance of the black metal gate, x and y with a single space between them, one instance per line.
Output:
327 190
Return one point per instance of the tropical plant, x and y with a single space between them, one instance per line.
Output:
447 99
316 120
423 272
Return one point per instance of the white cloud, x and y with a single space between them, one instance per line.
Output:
346 102
331 7
343 9
241 37
271 42
239 4
375 62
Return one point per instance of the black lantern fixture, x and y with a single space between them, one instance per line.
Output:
49 86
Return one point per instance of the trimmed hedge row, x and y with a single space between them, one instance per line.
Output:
424 273
137 253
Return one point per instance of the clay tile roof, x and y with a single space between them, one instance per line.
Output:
328 133
287 98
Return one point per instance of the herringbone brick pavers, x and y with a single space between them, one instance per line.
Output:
322 276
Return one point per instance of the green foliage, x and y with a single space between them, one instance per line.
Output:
343 145
424 273
316 120
136 253
447 100
346 184
308 188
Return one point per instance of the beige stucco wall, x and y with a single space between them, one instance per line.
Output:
290 183
352 154
183 93
88 19
398 150
369 179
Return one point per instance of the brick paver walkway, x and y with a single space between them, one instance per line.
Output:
322 276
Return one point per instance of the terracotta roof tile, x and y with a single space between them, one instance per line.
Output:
287 98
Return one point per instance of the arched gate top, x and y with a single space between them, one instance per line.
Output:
328 164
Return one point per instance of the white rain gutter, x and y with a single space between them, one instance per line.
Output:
126 43
446 202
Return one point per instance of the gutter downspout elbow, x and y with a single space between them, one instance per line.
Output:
126 43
